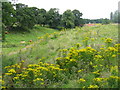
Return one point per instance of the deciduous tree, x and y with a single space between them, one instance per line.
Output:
8 14
53 18
68 19
77 15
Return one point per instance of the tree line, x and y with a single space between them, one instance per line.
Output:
115 16
101 20
20 16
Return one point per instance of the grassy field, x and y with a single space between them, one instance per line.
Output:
14 38
72 58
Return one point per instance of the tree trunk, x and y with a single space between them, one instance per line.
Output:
3 32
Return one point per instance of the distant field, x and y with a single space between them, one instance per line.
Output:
72 58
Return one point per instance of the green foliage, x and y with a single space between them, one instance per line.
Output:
53 18
68 19
13 38
41 17
8 14
94 66
116 17
20 5
26 17
103 21
77 15
3 32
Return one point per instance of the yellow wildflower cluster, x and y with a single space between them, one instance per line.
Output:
108 40
15 65
38 79
117 46
82 80
97 72
12 71
111 49
36 72
47 35
15 78
78 45
99 79
115 77
73 60
93 86
98 56
86 38
87 55
114 68
92 39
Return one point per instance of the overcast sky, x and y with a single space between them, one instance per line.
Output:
91 9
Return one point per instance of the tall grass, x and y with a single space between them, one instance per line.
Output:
61 45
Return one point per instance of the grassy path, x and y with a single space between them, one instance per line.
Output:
24 49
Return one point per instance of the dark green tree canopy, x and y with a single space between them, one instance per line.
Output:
102 21
8 14
20 5
77 15
26 17
68 19
23 17
41 17
53 18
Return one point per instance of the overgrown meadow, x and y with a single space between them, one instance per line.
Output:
83 57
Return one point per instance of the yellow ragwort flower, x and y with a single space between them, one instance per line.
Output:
93 86
12 71
82 80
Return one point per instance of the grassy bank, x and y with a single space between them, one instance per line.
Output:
16 40
75 58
